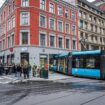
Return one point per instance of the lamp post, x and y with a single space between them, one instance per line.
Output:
83 43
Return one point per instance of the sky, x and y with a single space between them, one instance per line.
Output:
1 1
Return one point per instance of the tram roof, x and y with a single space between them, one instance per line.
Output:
64 54
86 52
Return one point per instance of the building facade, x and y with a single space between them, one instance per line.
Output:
91 26
100 4
34 29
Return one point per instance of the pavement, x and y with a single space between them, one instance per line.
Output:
72 91
52 77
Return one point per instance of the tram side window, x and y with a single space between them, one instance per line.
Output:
78 62
93 62
86 61
90 63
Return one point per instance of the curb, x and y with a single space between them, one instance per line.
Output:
30 80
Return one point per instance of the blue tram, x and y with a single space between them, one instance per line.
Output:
89 64
83 63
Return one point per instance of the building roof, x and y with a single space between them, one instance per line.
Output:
91 5
96 1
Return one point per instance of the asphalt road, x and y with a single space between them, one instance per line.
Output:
74 91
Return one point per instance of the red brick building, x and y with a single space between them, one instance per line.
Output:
33 29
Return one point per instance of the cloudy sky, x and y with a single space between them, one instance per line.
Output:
1 1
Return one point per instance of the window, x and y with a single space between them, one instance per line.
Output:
42 21
91 27
84 15
60 26
80 14
95 20
73 16
13 5
74 44
66 13
51 8
9 10
81 24
95 28
0 46
9 42
52 41
90 18
13 22
42 39
59 10
67 28
86 61
24 38
25 18
9 25
12 40
3 44
85 25
42 4
25 3
74 30
52 24
60 42
67 43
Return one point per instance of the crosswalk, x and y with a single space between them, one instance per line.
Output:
5 80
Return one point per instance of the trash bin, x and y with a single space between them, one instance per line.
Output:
45 74
41 73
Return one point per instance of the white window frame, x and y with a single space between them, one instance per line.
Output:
45 5
58 10
67 11
58 25
10 41
69 28
9 25
13 21
21 37
22 4
54 40
69 43
45 39
54 23
49 7
45 21
21 18
75 43
59 36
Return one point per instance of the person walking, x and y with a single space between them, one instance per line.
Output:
18 71
25 69
34 70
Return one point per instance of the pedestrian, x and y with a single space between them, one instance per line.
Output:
19 71
25 69
1 69
26 72
34 70
29 71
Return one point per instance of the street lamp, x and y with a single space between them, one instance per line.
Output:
83 42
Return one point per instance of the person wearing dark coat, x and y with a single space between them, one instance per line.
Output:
18 70
1 69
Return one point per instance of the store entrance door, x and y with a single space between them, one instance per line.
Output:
24 56
43 59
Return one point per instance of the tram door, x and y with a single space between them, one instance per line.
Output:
24 57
